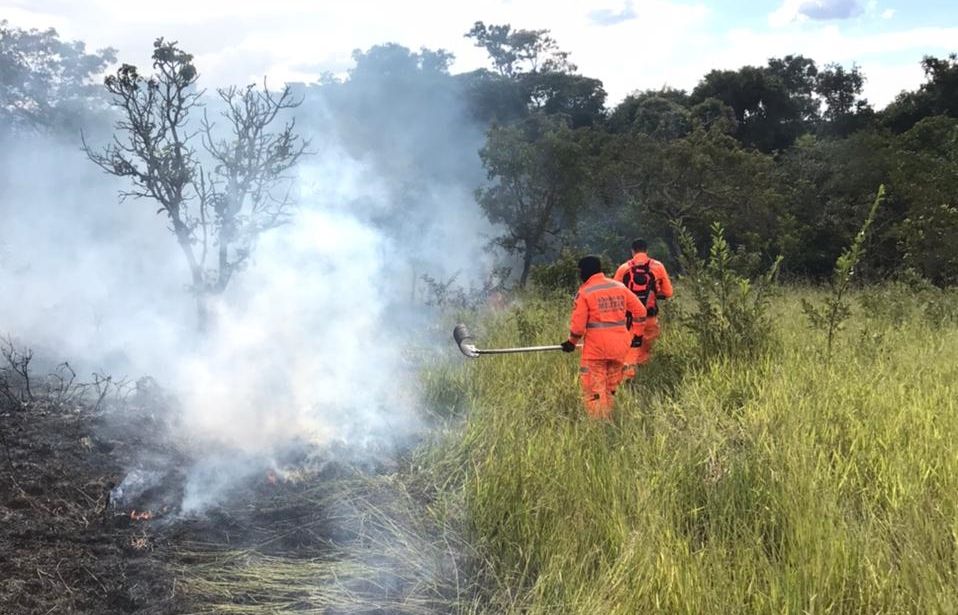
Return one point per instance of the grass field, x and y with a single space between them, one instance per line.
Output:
776 481
781 483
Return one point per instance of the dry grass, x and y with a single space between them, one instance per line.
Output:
374 549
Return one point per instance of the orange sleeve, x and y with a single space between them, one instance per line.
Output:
580 317
635 307
664 284
620 272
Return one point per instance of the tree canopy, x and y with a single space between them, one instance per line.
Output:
47 83
786 155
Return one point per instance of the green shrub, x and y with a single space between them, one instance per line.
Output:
729 315
561 275
910 296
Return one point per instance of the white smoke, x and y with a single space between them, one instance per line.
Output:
84 277
306 345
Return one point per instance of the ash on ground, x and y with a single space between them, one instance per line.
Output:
102 512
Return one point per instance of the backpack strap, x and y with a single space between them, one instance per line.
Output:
646 269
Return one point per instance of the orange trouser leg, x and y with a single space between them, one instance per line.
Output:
599 380
642 355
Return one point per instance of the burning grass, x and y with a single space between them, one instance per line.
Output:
94 521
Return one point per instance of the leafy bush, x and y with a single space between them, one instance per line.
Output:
910 296
929 241
730 313
562 274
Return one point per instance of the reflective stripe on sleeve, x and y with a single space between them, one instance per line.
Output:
605 325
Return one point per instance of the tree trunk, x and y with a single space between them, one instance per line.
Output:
526 266
200 290
202 312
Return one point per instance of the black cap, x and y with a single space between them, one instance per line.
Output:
589 266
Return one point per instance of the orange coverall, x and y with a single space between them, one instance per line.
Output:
663 290
601 314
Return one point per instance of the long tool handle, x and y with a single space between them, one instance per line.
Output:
464 341
514 350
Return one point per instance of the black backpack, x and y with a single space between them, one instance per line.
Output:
641 281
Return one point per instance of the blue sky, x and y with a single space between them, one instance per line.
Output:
629 44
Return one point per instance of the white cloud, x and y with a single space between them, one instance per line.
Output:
889 60
885 81
816 10
830 9
614 15
635 44
25 17
238 41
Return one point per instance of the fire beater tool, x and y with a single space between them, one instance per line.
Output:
466 344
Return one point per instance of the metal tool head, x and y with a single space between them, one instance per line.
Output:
464 340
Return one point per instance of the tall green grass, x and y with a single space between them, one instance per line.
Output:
769 484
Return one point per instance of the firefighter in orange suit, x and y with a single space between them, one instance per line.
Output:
611 319
648 279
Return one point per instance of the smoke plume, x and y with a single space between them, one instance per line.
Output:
307 344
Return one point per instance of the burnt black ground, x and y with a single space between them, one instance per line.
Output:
65 547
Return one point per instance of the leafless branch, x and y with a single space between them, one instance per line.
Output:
217 212
15 373
62 386
251 164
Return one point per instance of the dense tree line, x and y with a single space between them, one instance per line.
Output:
786 156
45 83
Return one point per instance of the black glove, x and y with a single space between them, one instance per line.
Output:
636 341
567 346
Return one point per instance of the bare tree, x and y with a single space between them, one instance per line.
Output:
15 383
217 212
249 166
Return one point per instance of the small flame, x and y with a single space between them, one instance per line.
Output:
271 477
141 516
